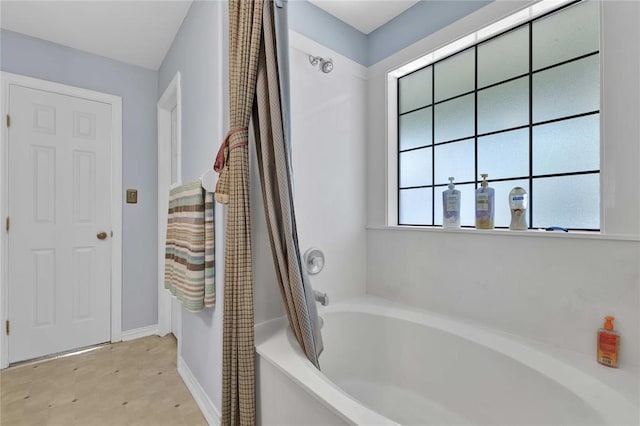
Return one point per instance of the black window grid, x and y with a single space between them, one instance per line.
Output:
531 125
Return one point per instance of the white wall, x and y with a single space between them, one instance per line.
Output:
555 289
552 289
199 53
329 170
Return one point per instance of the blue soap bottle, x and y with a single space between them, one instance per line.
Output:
484 204
451 206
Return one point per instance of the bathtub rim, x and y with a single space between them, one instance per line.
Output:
596 390
276 344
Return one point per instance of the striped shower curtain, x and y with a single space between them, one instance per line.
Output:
273 148
238 369
253 59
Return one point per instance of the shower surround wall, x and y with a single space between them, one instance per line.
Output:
328 114
329 151
555 289
329 170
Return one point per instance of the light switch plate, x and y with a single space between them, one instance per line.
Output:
132 196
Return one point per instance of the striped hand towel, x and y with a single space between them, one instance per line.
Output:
189 258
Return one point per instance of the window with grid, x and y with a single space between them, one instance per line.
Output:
524 107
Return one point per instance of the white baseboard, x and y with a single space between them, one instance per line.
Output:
136 333
209 411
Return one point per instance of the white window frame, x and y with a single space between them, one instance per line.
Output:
457 45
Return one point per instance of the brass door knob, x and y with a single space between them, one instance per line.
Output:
101 235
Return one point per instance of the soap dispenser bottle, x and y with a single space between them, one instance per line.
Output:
608 344
518 203
484 204
451 206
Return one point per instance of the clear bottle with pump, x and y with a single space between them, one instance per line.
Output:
484 204
608 344
451 206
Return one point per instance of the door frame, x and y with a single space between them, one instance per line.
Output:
6 80
170 99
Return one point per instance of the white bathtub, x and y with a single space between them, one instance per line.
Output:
385 365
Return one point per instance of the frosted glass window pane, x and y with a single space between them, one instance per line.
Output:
504 106
455 159
566 34
415 90
566 90
455 75
567 146
503 57
415 206
502 189
567 201
467 206
415 129
415 168
455 119
504 155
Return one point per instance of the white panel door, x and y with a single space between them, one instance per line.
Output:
59 201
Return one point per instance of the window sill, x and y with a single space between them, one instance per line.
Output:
505 232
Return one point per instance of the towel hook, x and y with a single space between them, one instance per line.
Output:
208 180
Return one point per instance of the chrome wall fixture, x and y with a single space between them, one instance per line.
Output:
313 260
324 64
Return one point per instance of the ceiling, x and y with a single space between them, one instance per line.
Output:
140 32
135 32
365 15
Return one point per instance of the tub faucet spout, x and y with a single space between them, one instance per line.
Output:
321 297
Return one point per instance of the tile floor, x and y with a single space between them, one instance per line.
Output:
130 383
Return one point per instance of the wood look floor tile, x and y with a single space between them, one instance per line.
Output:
133 383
